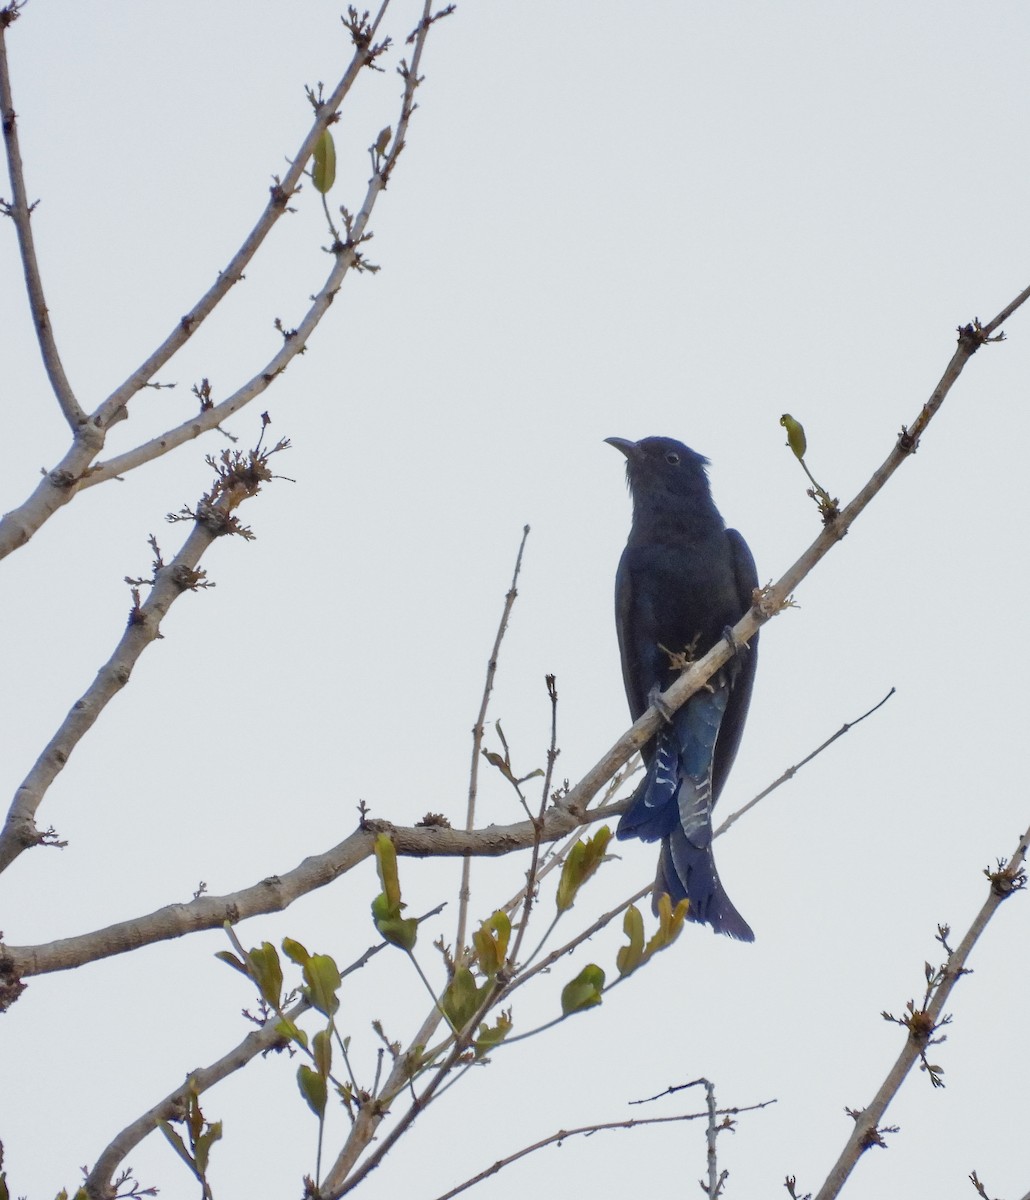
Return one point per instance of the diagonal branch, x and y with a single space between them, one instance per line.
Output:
238 478
364 54
346 255
63 481
772 599
586 1131
20 211
464 893
573 811
866 1131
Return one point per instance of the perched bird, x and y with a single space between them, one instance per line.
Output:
683 580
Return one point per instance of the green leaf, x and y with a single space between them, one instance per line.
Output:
630 957
491 943
386 865
294 1033
313 1088
266 972
795 435
493 1035
580 863
584 991
233 960
322 1049
462 998
323 979
176 1142
323 171
295 952
670 924
202 1149
398 930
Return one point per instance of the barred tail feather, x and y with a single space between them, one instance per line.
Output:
687 872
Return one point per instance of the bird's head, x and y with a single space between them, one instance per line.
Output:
662 466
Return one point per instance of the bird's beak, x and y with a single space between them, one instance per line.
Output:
625 445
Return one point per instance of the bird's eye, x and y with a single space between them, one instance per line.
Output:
672 458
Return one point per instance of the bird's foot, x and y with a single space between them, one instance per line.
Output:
736 648
654 700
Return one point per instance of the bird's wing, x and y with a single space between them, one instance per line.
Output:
636 624
742 670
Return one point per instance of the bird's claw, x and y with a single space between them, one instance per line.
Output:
735 646
655 701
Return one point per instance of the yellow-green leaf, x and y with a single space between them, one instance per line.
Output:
295 952
226 956
398 930
386 865
322 1049
323 170
492 1035
323 982
176 1142
795 435
264 966
584 991
580 863
292 1032
313 1088
628 958
202 1149
670 924
491 943
462 998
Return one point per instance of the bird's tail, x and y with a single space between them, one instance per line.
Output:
674 804
686 871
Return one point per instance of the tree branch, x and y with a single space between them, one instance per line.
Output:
239 477
61 483
20 211
790 772
923 1024
464 893
586 1131
206 912
346 255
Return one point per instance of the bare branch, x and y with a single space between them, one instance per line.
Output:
73 472
1008 878
772 599
346 255
586 1131
790 772
280 193
239 476
464 893
20 211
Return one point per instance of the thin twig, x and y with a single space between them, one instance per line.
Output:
20 211
790 772
867 1122
74 471
276 206
771 600
259 1041
586 1131
464 892
144 627
532 880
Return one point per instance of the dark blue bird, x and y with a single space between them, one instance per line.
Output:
684 578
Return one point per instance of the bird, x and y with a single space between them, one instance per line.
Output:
683 581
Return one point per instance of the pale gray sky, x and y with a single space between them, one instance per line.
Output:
611 219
